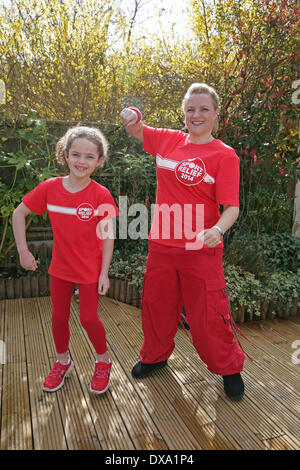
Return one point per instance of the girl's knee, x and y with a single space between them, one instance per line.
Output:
88 323
60 320
91 324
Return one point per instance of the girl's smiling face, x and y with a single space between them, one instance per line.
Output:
83 158
200 115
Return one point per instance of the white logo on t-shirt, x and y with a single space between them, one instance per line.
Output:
85 211
189 172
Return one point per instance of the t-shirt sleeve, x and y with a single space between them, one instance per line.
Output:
107 208
227 181
36 200
159 140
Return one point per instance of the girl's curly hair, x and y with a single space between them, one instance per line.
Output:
90 133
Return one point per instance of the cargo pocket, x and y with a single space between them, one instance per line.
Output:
218 305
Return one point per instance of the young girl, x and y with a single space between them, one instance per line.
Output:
193 170
78 208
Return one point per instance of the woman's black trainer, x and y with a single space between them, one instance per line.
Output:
234 386
141 369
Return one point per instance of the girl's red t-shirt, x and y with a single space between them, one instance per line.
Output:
190 178
74 217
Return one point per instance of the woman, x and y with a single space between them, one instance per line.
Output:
196 173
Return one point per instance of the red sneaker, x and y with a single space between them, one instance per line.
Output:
100 380
56 377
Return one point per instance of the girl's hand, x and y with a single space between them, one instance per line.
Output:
27 261
103 284
129 117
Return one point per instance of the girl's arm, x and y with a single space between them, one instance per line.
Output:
27 260
229 215
132 122
107 236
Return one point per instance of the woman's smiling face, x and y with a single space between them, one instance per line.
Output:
200 115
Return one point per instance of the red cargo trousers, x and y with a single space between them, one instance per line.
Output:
195 278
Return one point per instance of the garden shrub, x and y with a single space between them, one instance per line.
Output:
265 253
245 289
265 209
26 159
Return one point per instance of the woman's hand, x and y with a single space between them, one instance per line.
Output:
129 117
211 237
27 261
132 122
103 284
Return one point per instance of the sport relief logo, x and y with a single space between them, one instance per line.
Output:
85 211
190 172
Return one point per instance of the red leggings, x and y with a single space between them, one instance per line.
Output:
61 293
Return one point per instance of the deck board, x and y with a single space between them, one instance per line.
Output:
182 407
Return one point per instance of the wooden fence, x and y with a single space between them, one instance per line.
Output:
38 285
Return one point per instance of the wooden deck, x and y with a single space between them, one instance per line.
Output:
182 407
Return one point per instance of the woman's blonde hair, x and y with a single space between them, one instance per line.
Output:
81 132
197 89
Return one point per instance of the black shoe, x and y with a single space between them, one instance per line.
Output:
141 370
234 386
